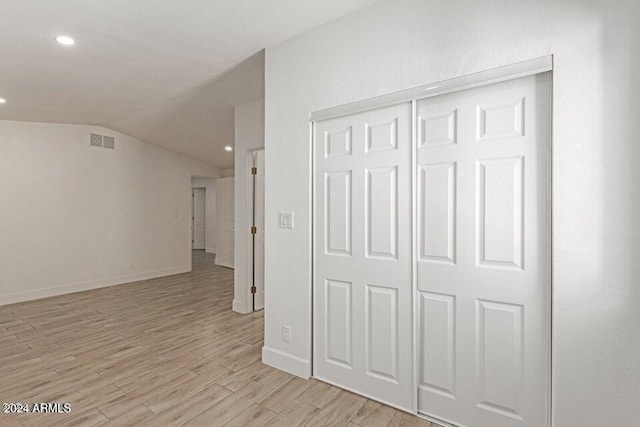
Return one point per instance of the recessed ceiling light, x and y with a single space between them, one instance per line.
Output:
3 101
65 40
228 148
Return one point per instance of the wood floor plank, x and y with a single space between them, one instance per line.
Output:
184 392
234 381
144 392
185 410
137 416
89 418
402 419
275 378
319 394
340 411
279 398
374 414
84 402
295 414
253 416
231 407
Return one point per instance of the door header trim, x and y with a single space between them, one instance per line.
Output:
482 78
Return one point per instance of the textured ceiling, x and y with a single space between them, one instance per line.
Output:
164 71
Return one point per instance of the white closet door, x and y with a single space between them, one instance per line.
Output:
482 254
199 218
225 199
362 284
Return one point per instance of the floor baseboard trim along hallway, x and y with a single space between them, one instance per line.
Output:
94 284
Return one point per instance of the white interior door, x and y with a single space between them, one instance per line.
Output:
483 262
258 208
199 218
225 217
362 280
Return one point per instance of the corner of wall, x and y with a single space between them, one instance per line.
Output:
240 307
286 362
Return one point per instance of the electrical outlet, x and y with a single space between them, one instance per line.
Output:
286 333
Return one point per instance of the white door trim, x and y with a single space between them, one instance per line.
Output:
414 253
482 78
247 296
257 253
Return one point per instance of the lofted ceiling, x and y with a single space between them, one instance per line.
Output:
164 71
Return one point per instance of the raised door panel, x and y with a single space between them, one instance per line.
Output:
199 236
337 142
438 129
382 212
438 344
500 212
338 315
500 357
437 212
338 213
382 333
381 136
505 120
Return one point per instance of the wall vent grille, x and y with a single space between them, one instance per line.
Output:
109 142
95 140
102 141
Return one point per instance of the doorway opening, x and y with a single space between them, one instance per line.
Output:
198 218
225 222
202 226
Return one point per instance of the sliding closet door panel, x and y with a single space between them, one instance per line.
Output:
362 286
483 254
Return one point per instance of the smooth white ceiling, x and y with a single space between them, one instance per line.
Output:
165 71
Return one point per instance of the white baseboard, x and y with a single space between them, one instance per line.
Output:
224 264
286 362
240 307
210 250
85 286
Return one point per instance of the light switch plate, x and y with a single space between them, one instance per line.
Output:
286 219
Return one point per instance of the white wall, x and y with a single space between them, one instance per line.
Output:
74 217
401 44
210 229
249 134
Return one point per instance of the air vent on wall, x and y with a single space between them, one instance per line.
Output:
109 142
102 141
96 140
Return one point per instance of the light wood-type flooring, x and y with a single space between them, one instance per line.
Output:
162 352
